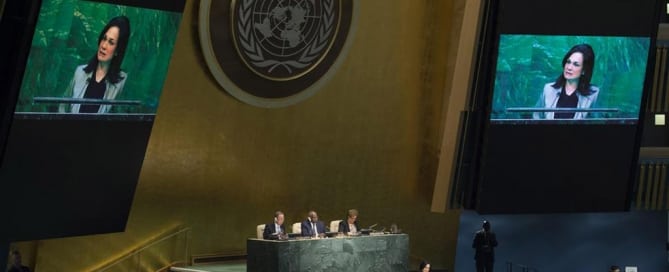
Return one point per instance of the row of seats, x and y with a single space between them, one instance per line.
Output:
334 227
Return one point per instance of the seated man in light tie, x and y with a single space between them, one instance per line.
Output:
312 227
275 230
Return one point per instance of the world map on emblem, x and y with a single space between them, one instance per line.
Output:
275 53
283 39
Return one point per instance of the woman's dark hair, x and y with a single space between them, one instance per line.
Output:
588 66
114 73
422 265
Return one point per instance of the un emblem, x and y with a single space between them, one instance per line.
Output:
274 53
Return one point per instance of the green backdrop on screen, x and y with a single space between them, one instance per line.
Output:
526 63
66 37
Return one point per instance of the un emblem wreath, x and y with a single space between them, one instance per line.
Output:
274 53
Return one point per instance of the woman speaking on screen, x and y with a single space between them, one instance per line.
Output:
572 89
101 77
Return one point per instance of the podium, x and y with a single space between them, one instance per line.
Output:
388 253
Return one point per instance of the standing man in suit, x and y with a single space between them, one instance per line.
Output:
485 242
275 230
312 227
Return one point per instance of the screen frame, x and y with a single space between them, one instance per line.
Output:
469 174
63 202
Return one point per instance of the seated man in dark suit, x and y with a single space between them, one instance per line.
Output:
350 224
312 227
275 230
17 266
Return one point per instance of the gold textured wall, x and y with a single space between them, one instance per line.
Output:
368 140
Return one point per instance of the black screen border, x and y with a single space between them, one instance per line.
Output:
482 87
110 212
17 24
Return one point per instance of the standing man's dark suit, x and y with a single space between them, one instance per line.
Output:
484 243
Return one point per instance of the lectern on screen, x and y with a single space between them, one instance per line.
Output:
562 85
86 97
